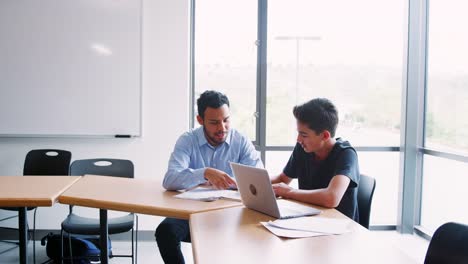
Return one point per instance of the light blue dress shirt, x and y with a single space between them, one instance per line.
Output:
193 154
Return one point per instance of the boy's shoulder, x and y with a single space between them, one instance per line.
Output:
342 144
342 147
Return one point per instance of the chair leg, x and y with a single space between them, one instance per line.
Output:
34 236
133 249
61 246
70 248
136 240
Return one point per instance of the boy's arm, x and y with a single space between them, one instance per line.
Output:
281 178
329 197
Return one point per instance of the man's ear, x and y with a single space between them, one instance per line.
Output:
200 120
326 134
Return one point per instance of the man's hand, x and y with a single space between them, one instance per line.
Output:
219 179
282 189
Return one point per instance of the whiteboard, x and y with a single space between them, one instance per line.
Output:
70 67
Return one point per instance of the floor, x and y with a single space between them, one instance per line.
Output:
412 245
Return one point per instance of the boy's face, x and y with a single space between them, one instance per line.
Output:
215 124
309 139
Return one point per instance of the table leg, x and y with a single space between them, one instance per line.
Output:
23 234
104 234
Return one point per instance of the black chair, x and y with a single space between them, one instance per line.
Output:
75 224
449 245
42 162
365 193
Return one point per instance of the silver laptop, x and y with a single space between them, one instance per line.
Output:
257 194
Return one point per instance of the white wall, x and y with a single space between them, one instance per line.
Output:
165 111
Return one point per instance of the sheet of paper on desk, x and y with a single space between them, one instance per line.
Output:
209 194
290 233
315 224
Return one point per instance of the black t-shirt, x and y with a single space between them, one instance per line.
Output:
313 174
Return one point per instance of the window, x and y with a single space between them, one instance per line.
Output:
384 167
446 126
225 56
443 193
447 77
322 49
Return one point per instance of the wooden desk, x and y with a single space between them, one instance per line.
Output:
132 195
235 235
31 191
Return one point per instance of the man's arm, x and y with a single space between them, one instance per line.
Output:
219 179
329 197
179 176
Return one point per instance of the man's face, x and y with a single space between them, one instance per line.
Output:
215 124
309 139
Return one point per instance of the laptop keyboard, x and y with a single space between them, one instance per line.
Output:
290 213
290 209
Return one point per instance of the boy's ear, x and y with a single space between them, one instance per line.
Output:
200 120
326 134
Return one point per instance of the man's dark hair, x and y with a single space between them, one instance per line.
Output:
318 114
211 99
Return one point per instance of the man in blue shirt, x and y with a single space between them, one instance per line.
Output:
202 156
327 168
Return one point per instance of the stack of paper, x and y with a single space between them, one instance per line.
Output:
209 194
307 227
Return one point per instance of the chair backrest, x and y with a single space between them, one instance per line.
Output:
106 167
47 162
449 245
365 193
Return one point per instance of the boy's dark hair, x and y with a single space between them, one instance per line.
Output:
318 114
211 99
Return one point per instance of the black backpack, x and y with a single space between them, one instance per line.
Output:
85 247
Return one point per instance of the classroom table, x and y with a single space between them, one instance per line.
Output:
235 235
31 191
132 195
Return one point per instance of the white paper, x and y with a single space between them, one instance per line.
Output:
209 194
315 224
290 233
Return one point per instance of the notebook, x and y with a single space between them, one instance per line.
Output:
257 194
